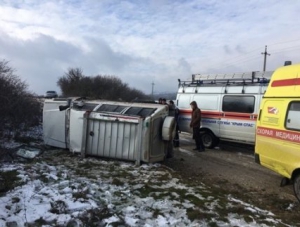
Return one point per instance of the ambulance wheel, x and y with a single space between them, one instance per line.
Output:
296 184
209 139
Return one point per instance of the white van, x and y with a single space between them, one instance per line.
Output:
229 104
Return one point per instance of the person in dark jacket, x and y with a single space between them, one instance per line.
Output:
174 112
195 124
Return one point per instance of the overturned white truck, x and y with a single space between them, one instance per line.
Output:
119 130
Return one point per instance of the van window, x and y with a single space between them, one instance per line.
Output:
237 103
292 120
207 102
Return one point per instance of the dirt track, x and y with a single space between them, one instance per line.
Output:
231 168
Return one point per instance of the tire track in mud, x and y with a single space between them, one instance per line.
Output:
233 169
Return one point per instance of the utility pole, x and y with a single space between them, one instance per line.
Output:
152 89
265 57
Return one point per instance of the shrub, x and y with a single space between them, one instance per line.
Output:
19 108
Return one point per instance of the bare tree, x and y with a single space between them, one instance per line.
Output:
74 83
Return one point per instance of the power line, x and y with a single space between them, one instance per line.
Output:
284 42
243 60
245 56
230 60
287 49
277 52
253 50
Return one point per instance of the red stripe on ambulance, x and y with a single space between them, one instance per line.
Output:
286 82
279 134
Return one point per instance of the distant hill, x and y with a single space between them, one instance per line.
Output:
167 96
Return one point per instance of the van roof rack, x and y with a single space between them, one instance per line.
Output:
229 78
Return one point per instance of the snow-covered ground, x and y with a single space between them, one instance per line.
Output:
35 133
60 189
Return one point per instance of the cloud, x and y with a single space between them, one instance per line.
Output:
184 67
227 49
144 41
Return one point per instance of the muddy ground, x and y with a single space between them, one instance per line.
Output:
231 168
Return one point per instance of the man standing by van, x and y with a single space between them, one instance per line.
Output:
174 112
195 124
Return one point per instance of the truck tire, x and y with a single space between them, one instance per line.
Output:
209 139
296 185
168 129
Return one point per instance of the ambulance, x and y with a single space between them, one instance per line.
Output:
277 144
229 104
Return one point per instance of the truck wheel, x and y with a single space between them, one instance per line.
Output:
209 140
168 129
296 184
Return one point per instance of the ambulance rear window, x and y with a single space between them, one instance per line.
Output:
239 104
295 106
292 121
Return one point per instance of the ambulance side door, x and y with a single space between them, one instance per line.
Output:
237 117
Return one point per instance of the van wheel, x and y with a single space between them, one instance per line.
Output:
209 140
296 184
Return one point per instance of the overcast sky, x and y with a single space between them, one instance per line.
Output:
145 41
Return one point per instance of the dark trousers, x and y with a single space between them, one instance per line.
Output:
176 139
197 138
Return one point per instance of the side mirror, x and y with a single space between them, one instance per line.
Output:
62 108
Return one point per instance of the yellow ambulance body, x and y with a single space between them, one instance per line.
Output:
277 145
